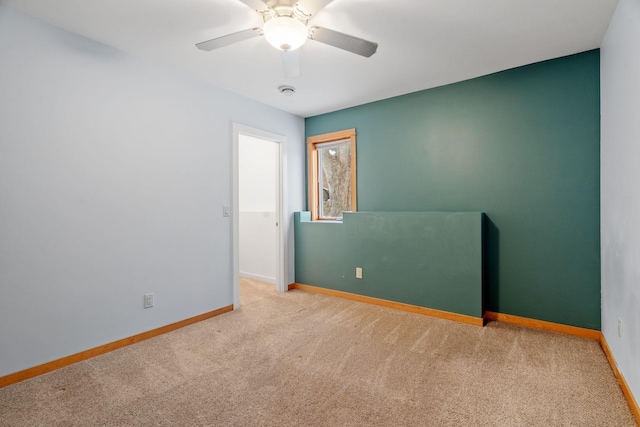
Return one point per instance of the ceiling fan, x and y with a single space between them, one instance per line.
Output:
286 28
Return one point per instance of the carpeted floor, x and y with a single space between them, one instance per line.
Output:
301 359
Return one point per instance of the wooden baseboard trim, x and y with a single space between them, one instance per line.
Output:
97 351
633 404
462 318
543 325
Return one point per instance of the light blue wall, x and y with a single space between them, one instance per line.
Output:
113 174
620 190
523 146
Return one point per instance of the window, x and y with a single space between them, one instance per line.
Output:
332 174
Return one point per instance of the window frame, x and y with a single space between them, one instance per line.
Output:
312 170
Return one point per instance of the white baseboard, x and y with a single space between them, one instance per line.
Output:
258 277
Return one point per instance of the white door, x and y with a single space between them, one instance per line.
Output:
258 239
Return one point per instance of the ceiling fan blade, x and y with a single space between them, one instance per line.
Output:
311 7
291 64
256 5
229 39
343 41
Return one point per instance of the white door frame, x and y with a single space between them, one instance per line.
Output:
281 259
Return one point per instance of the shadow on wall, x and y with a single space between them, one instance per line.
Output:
491 266
84 46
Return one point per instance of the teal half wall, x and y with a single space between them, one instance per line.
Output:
522 146
428 259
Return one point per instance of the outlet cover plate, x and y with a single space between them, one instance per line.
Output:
148 300
619 327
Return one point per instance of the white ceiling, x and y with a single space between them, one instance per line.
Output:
422 43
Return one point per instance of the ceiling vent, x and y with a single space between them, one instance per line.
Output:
287 90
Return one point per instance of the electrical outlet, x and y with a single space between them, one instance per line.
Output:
358 272
148 300
619 327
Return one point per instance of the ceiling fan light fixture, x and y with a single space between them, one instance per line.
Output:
285 33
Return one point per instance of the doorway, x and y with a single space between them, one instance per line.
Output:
258 234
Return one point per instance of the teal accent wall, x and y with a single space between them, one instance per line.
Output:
427 259
522 146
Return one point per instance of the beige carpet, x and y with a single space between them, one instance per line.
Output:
300 359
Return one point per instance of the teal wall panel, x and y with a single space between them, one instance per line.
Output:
428 259
522 146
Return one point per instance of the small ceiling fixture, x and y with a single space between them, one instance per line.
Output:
287 90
